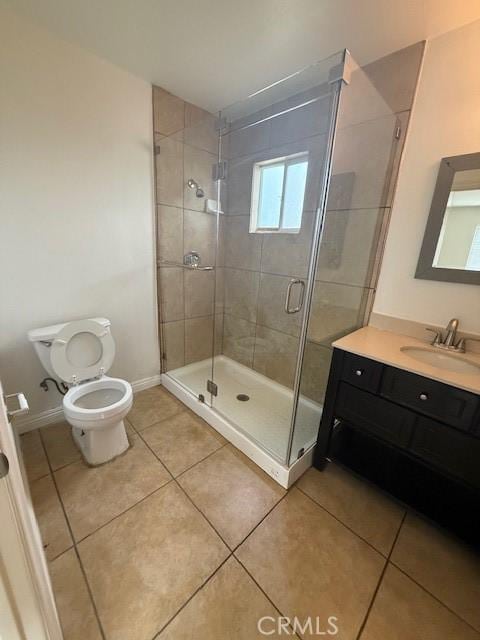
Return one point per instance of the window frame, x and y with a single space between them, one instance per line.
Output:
286 161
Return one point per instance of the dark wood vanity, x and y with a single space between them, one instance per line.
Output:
417 438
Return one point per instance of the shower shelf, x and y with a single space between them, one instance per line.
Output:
170 263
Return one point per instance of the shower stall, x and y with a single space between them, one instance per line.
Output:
271 216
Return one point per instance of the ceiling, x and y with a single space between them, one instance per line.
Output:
214 52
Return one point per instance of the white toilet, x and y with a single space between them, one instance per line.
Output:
80 353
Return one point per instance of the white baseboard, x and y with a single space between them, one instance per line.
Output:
42 419
50 416
146 383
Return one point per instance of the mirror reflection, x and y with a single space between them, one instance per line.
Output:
458 245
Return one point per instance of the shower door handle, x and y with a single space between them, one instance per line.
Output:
290 286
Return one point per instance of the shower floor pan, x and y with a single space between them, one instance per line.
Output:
258 426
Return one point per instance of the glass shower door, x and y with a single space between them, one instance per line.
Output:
272 153
346 259
187 223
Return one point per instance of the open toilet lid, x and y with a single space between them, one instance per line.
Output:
82 350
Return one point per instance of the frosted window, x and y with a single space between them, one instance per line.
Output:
278 192
294 194
270 196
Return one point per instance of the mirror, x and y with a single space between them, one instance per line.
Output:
451 245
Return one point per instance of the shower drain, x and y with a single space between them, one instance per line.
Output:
243 397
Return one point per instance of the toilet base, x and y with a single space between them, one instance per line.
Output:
101 445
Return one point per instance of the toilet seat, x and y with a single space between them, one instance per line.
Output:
82 350
104 413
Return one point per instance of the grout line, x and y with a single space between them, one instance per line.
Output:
33 480
287 491
245 568
204 516
294 275
370 606
343 523
377 208
452 611
231 554
232 550
209 455
204 583
174 479
184 409
263 326
138 431
67 464
59 554
388 558
118 515
82 569
257 302
90 592
277 146
262 591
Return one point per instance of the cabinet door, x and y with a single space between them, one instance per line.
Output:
374 415
448 450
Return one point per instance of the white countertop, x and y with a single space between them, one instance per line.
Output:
385 347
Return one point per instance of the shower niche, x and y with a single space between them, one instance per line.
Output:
270 220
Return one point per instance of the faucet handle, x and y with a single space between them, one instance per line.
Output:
461 344
438 336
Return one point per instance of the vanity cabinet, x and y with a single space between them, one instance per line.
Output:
415 421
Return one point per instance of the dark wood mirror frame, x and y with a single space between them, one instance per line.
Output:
446 173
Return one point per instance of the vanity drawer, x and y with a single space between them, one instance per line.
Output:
361 372
447 449
374 415
440 401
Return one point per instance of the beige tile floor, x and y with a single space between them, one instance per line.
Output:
184 538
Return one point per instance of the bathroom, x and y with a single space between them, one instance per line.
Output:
220 395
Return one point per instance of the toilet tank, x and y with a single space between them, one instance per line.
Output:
42 339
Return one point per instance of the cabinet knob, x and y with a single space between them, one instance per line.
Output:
423 396
359 372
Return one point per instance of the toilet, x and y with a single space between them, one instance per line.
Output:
79 353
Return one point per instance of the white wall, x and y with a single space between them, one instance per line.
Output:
445 122
76 204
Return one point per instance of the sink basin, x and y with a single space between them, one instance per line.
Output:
442 360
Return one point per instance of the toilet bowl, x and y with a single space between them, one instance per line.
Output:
96 410
79 353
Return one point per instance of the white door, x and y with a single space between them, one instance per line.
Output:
27 606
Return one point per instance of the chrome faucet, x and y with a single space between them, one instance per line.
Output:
449 341
451 335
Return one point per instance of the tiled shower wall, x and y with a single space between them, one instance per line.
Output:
258 267
185 147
